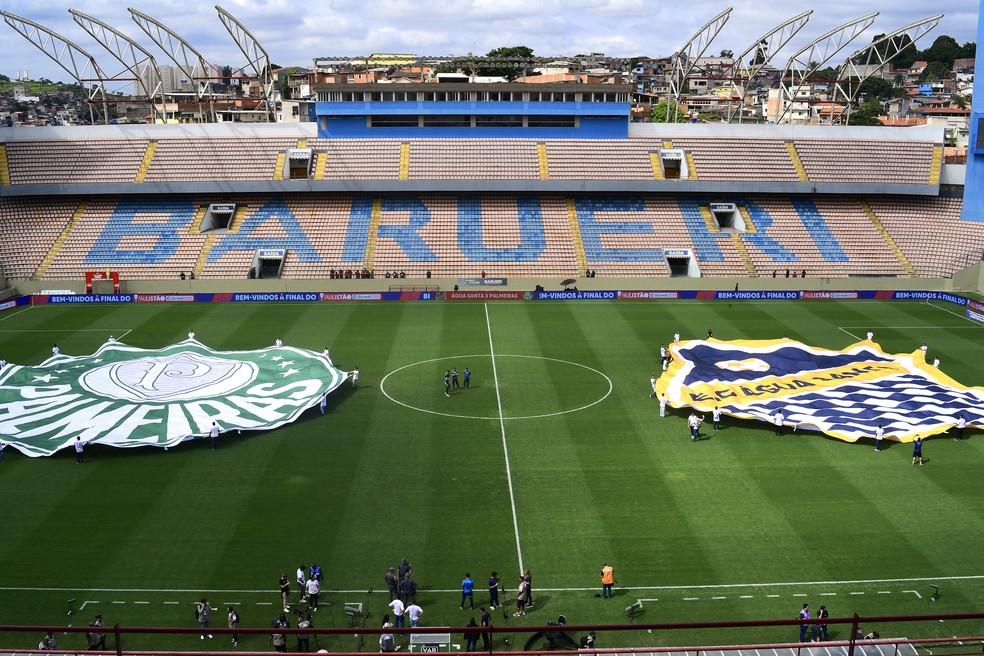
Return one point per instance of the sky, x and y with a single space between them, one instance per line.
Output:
295 31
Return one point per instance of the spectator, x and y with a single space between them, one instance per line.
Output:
232 618
823 614
414 612
391 582
804 614
471 635
607 580
203 613
48 642
467 584
96 638
303 639
279 640
387 642
803 275
521 594
399 613
285 591
313 592
485 619
408 589
493 577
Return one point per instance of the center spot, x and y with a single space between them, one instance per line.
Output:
530 386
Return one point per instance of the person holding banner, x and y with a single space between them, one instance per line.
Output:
778 419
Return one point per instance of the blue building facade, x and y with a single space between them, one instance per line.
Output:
524 111
973 202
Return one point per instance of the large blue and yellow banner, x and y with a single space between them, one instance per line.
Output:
847 394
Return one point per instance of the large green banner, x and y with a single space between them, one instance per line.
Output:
125 396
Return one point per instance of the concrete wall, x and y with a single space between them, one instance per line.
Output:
520 284
970 279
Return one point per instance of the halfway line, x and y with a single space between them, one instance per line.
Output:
505 448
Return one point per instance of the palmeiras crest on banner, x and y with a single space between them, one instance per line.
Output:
846 394
125 396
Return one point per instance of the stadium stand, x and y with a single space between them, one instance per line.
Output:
713 158
866 161
473 159
115 160
30 227
508 235
215 159
150 238
930 233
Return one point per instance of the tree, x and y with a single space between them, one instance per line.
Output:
867 113
935 70
959 101
505 52
944 50
876 87
660 111
728 53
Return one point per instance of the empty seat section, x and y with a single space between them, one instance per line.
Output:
866 161
739 159
360 159
598 159
152 256
74 162
216 159
473 159
30 227
930 233
441 253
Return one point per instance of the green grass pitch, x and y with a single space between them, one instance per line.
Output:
739 526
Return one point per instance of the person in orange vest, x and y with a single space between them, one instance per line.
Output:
607 580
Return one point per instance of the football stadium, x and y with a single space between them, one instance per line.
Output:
489 351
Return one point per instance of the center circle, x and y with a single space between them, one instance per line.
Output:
488 379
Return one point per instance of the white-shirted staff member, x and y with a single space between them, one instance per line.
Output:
778 419
213 433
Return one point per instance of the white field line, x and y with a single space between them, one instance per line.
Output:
505 448
58 330
949 311
120 338
849 333
10 316
721 586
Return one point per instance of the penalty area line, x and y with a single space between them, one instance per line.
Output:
505 447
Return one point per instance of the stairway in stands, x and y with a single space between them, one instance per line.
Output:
59 242
888 238
371 238
797 162
4 170
145 163
575 226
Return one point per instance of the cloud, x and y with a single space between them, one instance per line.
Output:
294 32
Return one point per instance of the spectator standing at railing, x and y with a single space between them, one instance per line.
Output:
471 635
203 613
232 619
485 620
804 614
823 614
96 638
48 642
